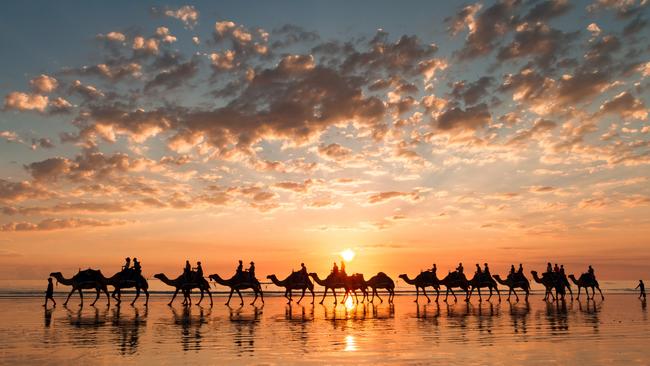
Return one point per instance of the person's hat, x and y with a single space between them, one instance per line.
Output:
199 262
252 262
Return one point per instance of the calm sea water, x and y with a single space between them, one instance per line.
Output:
589 332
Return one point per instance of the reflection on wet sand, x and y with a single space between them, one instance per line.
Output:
405 332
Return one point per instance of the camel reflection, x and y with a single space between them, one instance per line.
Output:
519 313
360 311
299 313
557 317
191 324
127 329
591 311
244 325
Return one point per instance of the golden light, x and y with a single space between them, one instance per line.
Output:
350 343
349 303
348 255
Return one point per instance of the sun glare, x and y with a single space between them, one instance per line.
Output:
348 255
349 303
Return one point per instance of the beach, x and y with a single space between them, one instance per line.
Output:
507 333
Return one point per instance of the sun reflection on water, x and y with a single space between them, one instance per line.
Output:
349 303
350 343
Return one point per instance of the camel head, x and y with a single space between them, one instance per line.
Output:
160 276
56 274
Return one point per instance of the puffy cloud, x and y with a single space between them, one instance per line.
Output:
623 8
463 18
44 84
20 191
472 92
594 29
334 152
538 40
89 92
626 106
487 28
26 102
10 136
164 35
112 36
58 224
301 187
457 119
186 13
540 126
113 71
58 105
147 45
42 142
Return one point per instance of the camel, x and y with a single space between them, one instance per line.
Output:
128 280
481 280
332 281
517 281
421 281
550 282
237 283
84 280
381 280
586 280
455 279
182 284
352 284
295 281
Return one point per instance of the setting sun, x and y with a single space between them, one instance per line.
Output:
348 255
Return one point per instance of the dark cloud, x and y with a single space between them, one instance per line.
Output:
174 77
20 191
635 26
472 92
547 9
386 196
457 119
537 40
58 224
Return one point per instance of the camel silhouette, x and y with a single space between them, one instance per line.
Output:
551 281
128 279
481 280
181 283
455 279
295 281
84 280
381 281
240 282
333 281
587 281
422 281
352 284
517 281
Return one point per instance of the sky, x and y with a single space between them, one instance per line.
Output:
286 132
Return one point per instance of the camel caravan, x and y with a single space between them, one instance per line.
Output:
554 280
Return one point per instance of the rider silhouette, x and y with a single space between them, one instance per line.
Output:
251 270
521 269
187 271
549 268
486 271
199 270
127 264
459 269
512 271
335 269
478 269
434 269
556 269
303 270
343 267
136 266
591 271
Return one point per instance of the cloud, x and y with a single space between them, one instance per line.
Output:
382 197
538 40
472 92
301 187
547 9
186 13
470 119
173 77
112 36
20 191
26 102
44 84
334 152
486 28
626 106
58 224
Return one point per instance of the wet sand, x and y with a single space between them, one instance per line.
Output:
589 332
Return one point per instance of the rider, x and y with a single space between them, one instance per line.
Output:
556 269
136 266
486 271
549 268
251 270
303 270
478 270
512 271
240 268
521 269
591 272
562 270
335 269
459 269
127 263
434 269
343 267
187 271
199 270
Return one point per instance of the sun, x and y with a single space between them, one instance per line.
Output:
348 255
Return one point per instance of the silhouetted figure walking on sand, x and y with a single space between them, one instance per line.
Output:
49 293
641 288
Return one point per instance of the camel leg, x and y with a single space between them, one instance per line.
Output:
261 293
446 294
452 292
302 295
287 295
254 299
417 294
200 298
490 297
601 293
96 297
81 297
424 291
241 299
579 288
356 298
313 296
209 296
374 291
115 297
174 296
437 293
324 294
68 298
137 294
498 293
372 299
230 296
